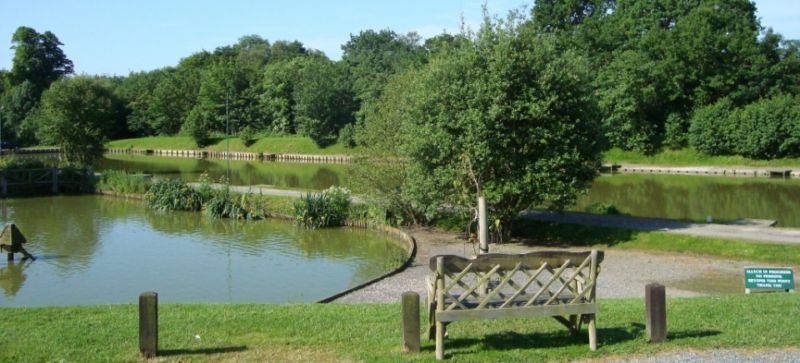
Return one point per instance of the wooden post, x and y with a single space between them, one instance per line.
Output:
655 312
148 324
439 307
410 302
483 231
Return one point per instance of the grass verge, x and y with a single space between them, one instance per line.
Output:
371 332
274 144
690 157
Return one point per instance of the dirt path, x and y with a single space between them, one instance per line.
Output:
623 274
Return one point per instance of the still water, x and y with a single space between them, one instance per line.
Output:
306 176
99 250
696 197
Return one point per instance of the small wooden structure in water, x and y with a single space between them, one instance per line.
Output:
11 240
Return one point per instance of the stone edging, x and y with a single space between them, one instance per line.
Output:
236 155
412 251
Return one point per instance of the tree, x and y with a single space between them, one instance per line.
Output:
371 57
510 118
38 58
78 115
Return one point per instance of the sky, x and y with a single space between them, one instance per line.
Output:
115 37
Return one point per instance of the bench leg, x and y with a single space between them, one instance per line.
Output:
439 340
593 332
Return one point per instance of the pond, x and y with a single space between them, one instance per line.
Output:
695 197
99 250
305 176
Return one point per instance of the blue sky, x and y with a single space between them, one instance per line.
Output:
116 37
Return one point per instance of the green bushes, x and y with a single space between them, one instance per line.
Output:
119 181
327 209
602 208
173 194
766 129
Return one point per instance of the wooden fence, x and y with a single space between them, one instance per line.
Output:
53 180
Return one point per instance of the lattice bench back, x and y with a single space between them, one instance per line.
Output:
497 281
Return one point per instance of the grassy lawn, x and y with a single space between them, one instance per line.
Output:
541 233
287 145
371 332
690 157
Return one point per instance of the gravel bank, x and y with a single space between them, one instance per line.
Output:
623 273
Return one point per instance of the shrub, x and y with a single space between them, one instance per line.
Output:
711 130
768 128
173 194
676 129
347 136
247 135
602 208
326 209
120 181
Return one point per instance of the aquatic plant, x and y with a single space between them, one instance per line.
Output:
173 194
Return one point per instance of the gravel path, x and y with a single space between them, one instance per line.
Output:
751 233
713 356
683 275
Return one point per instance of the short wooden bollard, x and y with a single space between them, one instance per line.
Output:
655 312
148 324
410 303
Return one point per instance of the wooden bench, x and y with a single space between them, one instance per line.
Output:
559 284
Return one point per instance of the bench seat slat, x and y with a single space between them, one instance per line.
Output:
516 312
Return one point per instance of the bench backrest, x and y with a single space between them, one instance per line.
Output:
530 279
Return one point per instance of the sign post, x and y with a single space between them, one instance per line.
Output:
768 279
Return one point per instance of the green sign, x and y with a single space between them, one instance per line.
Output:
771 278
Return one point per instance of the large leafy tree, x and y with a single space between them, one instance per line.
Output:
38 58
78 115
309 96
510 118
371 57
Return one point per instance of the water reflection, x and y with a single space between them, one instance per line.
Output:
12 276
695 197
242 172
104 250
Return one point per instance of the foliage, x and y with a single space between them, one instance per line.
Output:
710 131
768 128
38 58
224 205
602 208
765 129
20 163
120 181
381 173
498 119
77 114
372 57
326 209
173 194
307 96
247 135
347 136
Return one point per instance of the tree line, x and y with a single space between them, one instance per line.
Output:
517 111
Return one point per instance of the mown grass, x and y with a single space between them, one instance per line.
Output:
273 144
371 332
542 233
690 157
